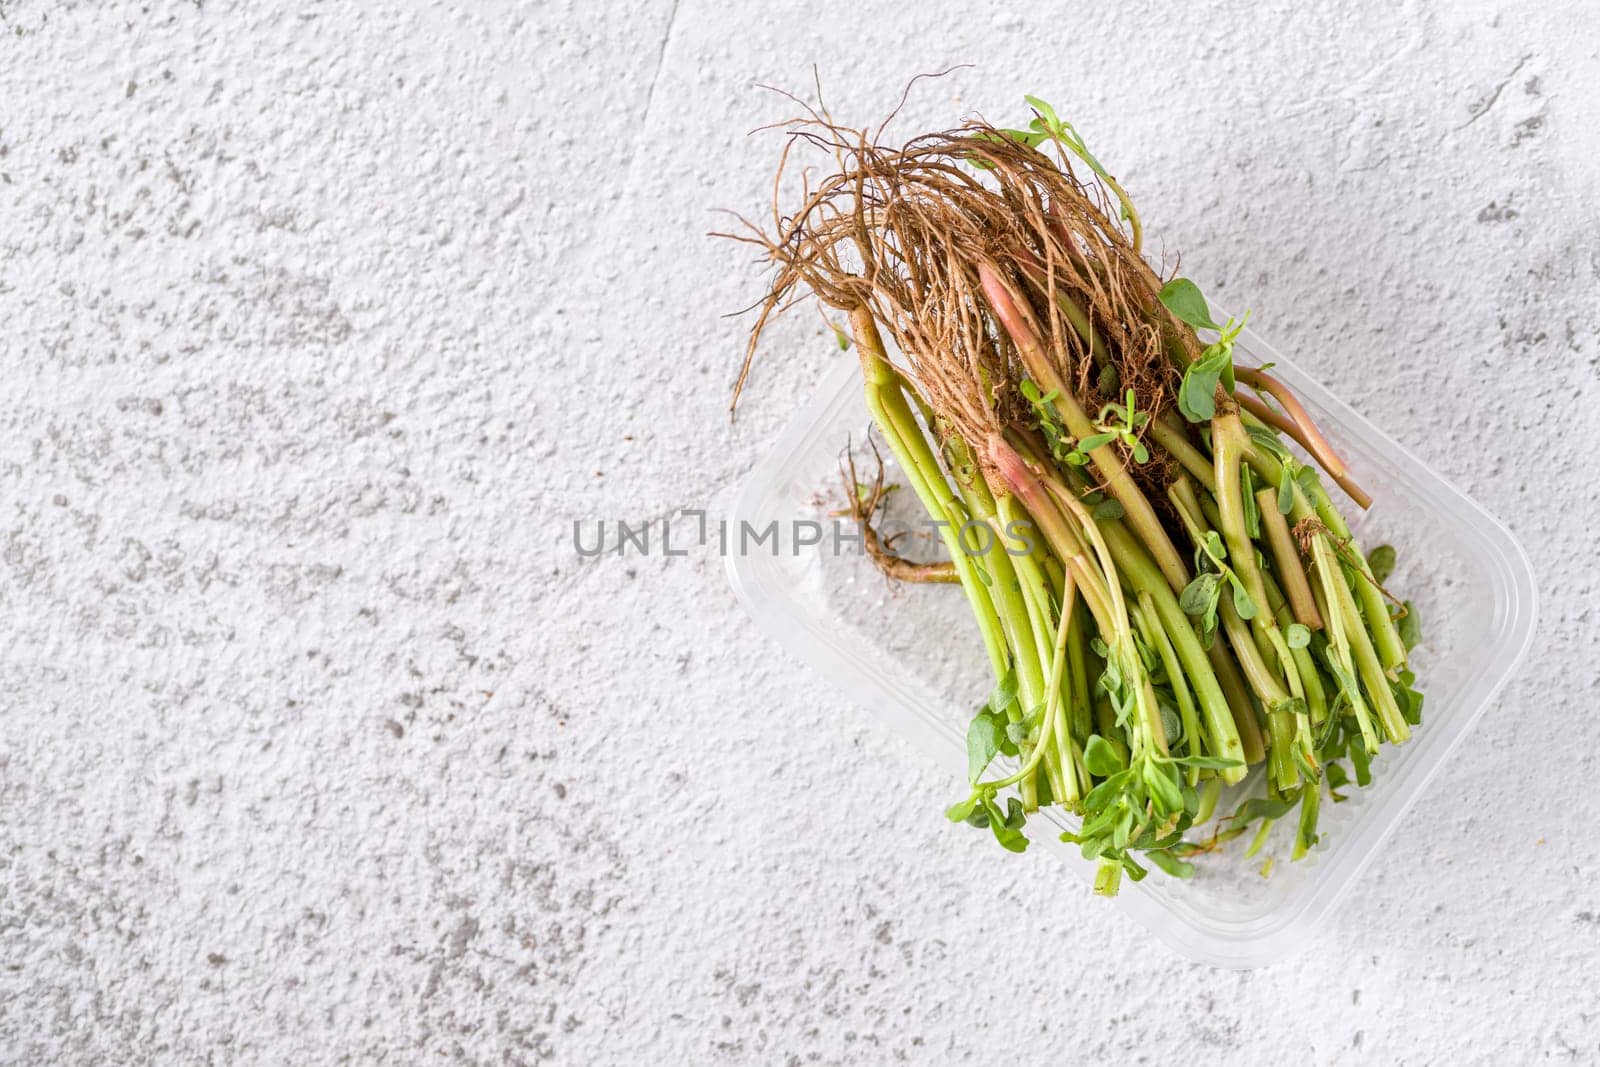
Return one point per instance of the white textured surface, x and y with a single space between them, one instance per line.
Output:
318 744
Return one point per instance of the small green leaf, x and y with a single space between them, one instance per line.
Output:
1214 763
1123 829
1014 814
1268 439
1410 627
1183 298
1005 692
1007 826
962 811
983 741
1197 595
1171 725
1214 547
1164 789
1046 112
1141 454
1010 839
1094 441
1259 808
1111 677
1109 509
1381 561
1409 699
1098 798
1171 864
1241 599
1197 395
1297 635
1100 757
1285 490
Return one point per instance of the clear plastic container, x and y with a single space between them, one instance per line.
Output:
912 656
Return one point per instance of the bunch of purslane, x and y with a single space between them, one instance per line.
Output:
1170 594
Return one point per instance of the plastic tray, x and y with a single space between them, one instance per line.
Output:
912 656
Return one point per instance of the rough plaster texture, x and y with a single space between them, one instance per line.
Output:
320 326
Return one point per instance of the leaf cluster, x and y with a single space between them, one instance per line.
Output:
1197 394
1200 598
1143 806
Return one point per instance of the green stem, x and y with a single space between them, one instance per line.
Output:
1240 704
1155 636
1078 672
1273 696
1331 581
1174 440
1391 650
1143 576
1108 877
1121 637
1367 664
886 403
1047 723
1310 676
1229 441
1287 560
1025 628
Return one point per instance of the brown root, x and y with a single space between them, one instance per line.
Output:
907 232
862 506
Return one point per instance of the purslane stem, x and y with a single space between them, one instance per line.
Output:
1107 459
1391 650
887 404
890 410
1228 442
1077 669
1328 575
1025 627
1348 636
1156 637
1310 676
1175 441
1221 724
1367 664
1257 672
1296 586
1024 774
